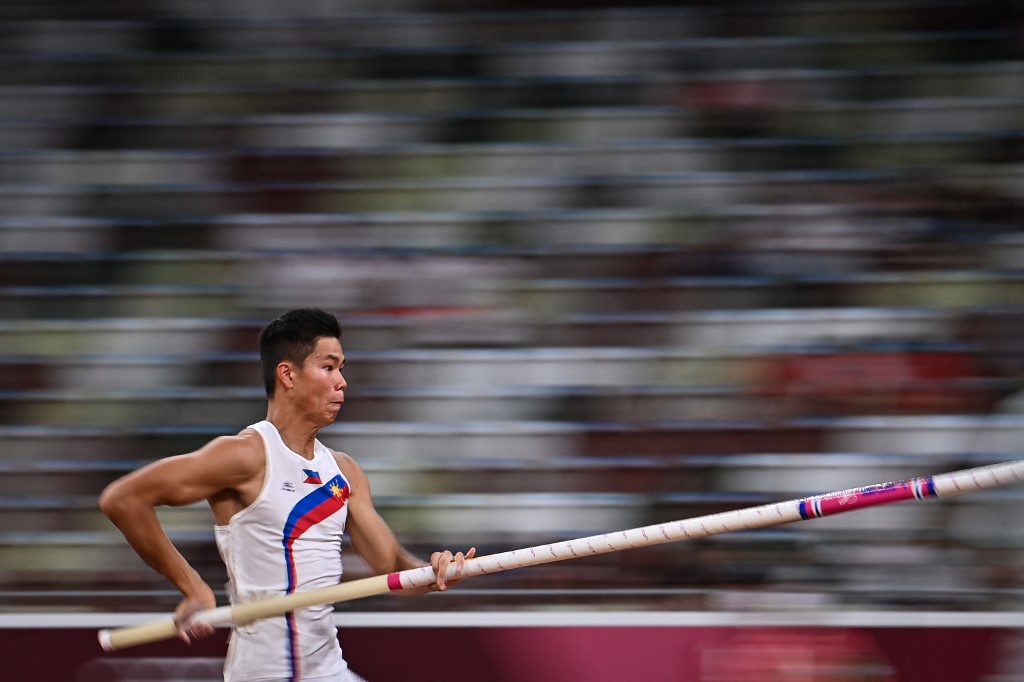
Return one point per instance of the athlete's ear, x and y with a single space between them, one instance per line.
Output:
286 374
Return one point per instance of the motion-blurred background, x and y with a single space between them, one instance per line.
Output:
598 264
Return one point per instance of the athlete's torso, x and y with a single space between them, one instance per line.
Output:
287 540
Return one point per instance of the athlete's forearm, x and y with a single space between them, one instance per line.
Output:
141 528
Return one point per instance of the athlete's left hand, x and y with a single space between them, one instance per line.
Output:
440 561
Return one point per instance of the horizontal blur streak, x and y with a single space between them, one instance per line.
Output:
599 266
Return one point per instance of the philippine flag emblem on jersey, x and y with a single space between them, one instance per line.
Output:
312 477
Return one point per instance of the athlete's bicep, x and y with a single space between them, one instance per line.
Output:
185 479
373 539
370 535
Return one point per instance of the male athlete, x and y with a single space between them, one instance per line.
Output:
281 501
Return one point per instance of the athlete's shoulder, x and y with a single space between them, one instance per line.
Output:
246 439
349 467
245 447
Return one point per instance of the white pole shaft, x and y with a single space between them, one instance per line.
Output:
773 514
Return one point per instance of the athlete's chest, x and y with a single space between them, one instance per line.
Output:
305 498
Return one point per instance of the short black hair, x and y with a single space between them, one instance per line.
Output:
293 336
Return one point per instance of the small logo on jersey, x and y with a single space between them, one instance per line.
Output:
312 477
288 486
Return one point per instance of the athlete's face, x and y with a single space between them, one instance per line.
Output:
320 382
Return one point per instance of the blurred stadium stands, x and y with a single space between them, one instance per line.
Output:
599 265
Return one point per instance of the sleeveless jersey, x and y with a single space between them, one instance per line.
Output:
287 540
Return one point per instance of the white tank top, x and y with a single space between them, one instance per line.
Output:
287 540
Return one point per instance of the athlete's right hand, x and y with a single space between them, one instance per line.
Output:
190 629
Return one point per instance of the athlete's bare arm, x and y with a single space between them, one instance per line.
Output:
374 540
228 471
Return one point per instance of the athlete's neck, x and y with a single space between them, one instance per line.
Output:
298 435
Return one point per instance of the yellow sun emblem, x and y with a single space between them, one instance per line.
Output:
335 490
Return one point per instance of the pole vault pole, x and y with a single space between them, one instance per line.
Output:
773 514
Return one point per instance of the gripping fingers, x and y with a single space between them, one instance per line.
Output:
194 629
440 561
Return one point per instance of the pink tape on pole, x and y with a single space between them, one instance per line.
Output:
394 582
868 496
